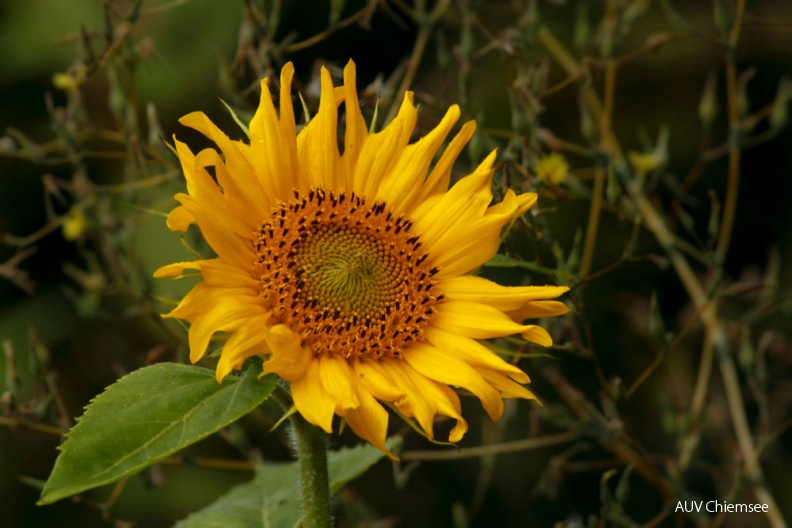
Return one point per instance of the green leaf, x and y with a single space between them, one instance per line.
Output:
145 417
272 498
345 465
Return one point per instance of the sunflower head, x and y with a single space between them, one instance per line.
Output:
350 271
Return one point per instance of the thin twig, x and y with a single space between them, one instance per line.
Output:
33 426
426 24
319 37
492 449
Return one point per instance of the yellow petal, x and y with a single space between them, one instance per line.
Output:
468 244
425 399
246 342
338 381
356 133
200 184
228 244
310 399
440 177
204 191
388 383
464 203
317 143
479 289
219 273
269 148
215 273
474 320
224 317
179 219
202 297
176 269
287 122
506 386
402 183
369 421
288 358
538 335
228 313
538 309
381 150
374 376
237 155
414 395
473 353
445 367
241 202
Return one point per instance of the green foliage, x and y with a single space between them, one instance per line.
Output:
145 417
272 498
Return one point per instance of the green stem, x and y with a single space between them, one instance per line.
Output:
312 454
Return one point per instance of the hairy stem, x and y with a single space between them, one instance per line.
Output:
312 455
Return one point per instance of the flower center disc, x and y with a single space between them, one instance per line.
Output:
349 269
347 276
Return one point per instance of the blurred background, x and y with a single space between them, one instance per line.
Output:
655 132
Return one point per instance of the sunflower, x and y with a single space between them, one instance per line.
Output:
351 272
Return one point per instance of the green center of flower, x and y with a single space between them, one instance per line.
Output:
347 276
349 269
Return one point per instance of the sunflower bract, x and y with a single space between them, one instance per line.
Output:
350 272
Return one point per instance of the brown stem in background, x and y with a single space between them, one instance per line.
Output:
616 444
654 221
426 24
493 449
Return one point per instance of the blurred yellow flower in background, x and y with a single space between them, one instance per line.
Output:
552 169
644 162
65 81
74 224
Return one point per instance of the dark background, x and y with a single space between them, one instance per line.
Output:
92 307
